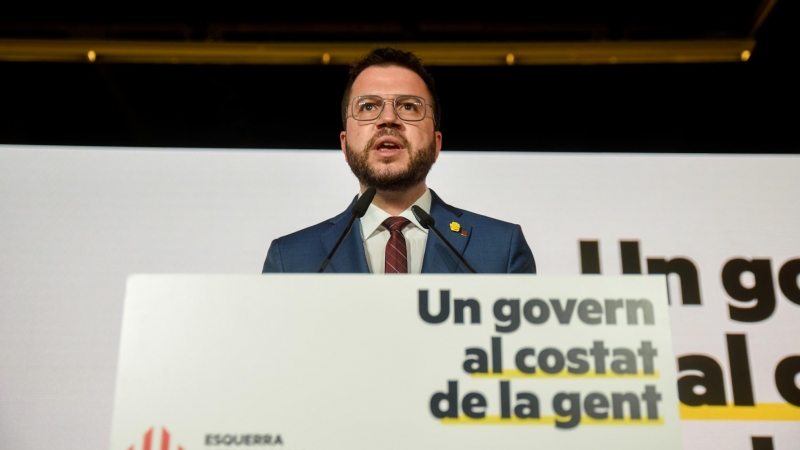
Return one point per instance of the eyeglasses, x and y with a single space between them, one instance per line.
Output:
408 108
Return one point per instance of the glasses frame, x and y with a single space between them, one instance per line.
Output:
394 103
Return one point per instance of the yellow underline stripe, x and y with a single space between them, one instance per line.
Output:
547 420
516 373
759 412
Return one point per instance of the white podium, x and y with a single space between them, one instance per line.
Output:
307 362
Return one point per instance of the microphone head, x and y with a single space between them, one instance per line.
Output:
360 208
423 218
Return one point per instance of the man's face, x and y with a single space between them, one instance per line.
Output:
388 153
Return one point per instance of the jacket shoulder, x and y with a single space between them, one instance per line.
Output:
486 221
470 217
499 245
300 236
301 251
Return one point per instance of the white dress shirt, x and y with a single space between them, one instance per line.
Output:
376 236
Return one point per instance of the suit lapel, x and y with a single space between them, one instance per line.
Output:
438 258
350 258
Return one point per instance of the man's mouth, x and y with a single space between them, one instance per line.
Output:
388 144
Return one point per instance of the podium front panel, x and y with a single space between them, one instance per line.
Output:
307 362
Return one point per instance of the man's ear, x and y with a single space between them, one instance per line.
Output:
437 136
343 143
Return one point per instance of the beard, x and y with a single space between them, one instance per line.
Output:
420 162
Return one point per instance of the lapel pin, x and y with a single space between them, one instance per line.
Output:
455 227
463 232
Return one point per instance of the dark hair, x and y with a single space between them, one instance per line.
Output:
388 56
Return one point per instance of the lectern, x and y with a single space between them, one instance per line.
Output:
312 362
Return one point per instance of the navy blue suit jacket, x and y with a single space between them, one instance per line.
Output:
490 246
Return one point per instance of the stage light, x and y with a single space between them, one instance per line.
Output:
433 53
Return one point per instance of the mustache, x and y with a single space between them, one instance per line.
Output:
387 132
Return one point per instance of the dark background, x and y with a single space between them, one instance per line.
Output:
715 107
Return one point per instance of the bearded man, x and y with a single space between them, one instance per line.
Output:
391 138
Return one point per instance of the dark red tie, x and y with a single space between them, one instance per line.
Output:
396 260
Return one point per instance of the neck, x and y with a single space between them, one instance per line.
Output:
395 202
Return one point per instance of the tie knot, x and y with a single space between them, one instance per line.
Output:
395 223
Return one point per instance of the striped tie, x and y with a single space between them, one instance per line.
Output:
396 260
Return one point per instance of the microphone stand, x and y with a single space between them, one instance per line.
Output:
427 221
359 209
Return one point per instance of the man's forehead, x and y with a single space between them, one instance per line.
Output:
389 80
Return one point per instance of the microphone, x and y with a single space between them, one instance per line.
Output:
427 222
358 211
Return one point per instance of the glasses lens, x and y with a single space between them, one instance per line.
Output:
410 108
367 107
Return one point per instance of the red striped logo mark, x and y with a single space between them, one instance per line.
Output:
147 443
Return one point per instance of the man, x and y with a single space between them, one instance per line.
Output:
391 138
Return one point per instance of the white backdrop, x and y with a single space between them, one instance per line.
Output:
74 222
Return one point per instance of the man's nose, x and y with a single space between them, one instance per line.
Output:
388 117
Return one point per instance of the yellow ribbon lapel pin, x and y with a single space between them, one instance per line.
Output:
455 227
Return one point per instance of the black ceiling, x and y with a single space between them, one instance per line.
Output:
733 107
553 21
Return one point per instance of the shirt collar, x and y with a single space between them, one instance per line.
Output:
372 220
